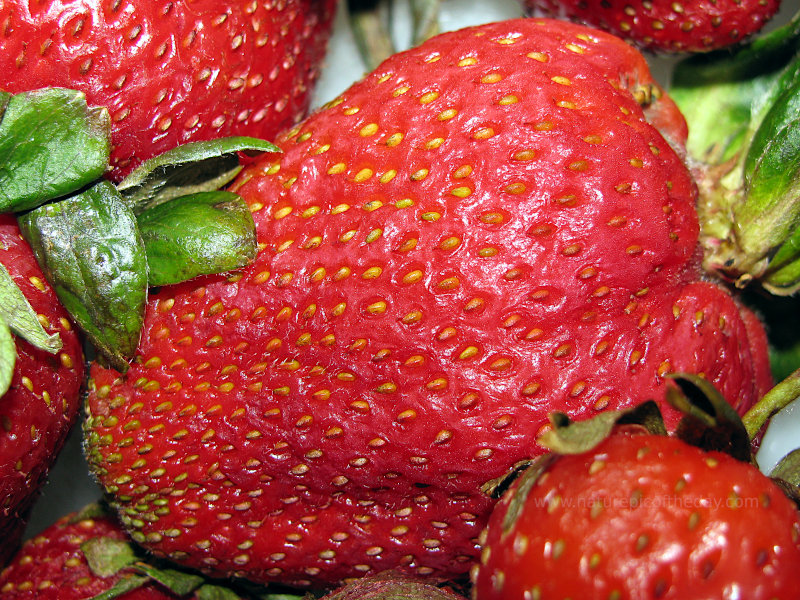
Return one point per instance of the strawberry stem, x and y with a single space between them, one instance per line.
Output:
369 23
773 401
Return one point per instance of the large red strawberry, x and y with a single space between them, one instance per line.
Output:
667 26
42 402
641 516
487 228
170 71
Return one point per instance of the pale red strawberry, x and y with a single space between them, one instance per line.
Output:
484 230
642 516
666 25
171 72
42 403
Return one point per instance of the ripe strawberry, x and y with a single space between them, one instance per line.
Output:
485 229
170 71
42 402
52 564
641 516
664 25
87 554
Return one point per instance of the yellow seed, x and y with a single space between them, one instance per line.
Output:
369 130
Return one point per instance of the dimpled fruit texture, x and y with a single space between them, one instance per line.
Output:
170 71
483 230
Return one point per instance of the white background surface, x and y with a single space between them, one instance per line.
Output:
70 486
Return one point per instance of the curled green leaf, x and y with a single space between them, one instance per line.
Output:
19 315
51 144
188 169
90 250
200 234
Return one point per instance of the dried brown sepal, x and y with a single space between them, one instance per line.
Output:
709 421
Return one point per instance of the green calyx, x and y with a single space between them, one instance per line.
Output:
101 246
743 110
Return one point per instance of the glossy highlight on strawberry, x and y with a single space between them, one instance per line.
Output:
170 72
485 229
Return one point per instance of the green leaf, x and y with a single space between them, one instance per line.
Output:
122 587
188 169
8 357
200 234
107 556
51 144
90 250
20 317
178 582
722 93
770 212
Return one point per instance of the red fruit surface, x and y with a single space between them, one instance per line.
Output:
484 230
170 71
52 566
664 25
642 516
42 403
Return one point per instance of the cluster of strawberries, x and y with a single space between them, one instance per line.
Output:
481 332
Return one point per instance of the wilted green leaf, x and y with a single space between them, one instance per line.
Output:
188 169
90 250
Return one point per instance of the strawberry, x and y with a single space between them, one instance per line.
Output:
641 516
486 228
42 400
170 72
87 554
666 26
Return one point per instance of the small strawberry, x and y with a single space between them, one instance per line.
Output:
88 555
641 516
43 397
170 72
664 25
487 228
